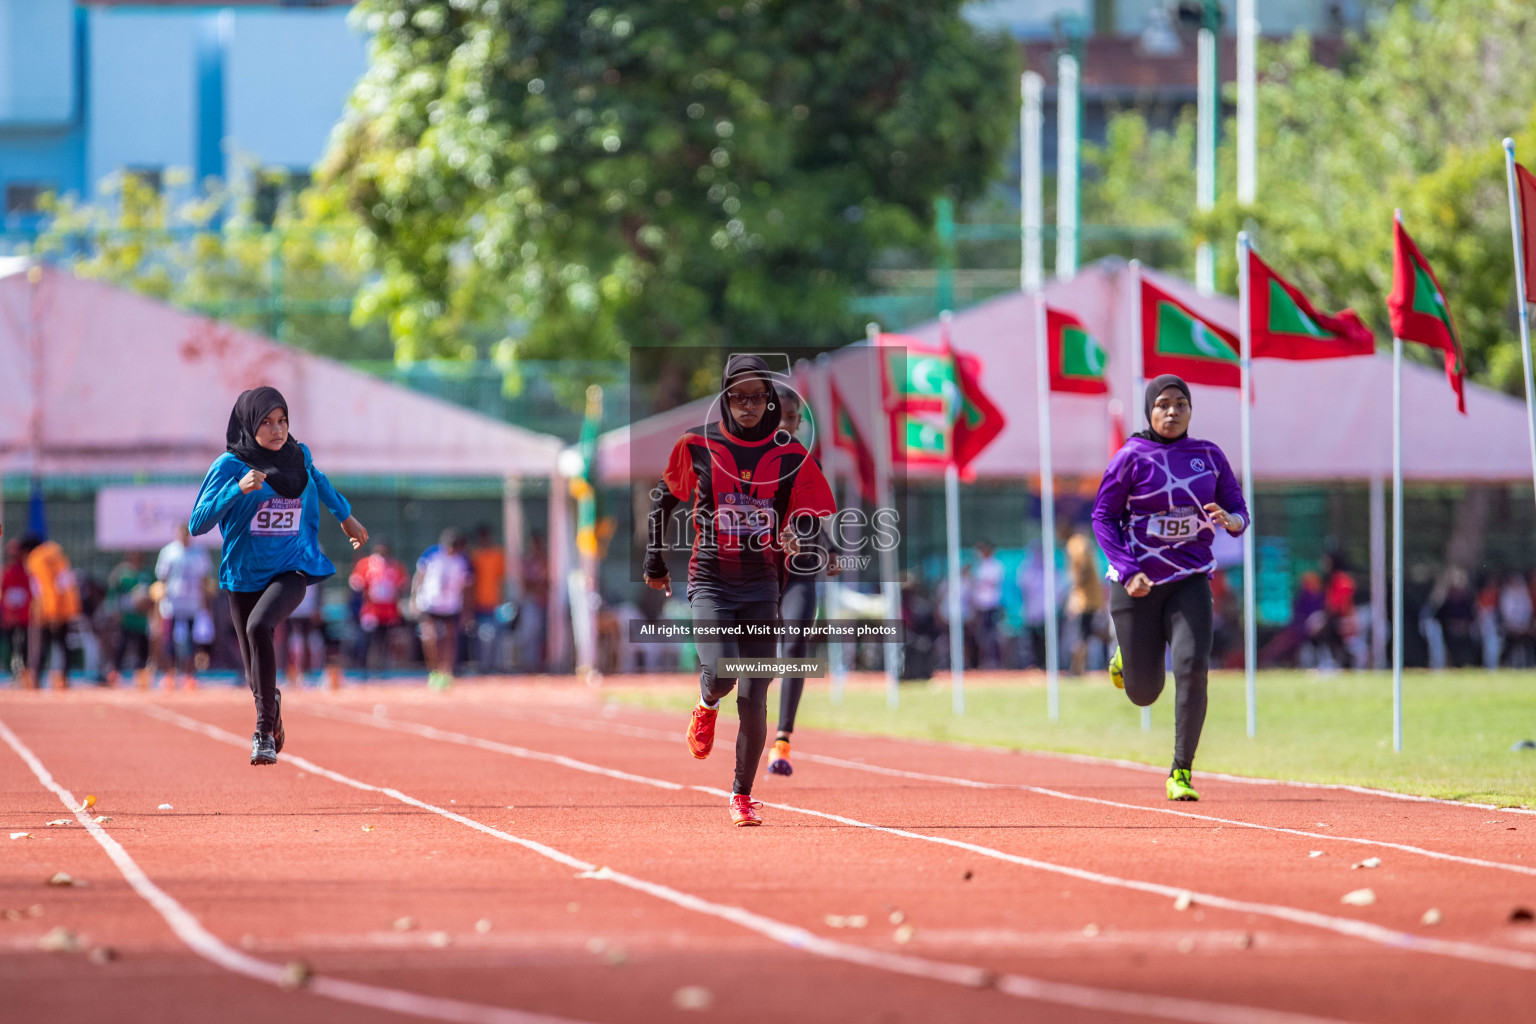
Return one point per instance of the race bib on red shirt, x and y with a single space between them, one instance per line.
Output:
741 515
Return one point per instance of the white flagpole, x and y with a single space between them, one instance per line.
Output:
821 384
952 543
1137 384
1206 117
883 494
1047 510
1245 418
1522 299
1247 103
1031 203
1397 536
1068 134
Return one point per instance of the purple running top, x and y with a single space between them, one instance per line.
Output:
1150 513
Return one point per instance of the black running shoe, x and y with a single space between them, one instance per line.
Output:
277 733
263 748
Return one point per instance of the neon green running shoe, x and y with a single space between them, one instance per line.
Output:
1179 787
1117 670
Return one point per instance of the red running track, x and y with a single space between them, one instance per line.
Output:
521 855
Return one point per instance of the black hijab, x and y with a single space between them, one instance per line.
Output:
1155 387
740 368
285 467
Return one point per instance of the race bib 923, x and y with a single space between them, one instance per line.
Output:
278 517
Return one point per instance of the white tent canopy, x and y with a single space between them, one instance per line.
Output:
1329 420
96 380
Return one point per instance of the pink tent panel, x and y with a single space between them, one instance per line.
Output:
128 384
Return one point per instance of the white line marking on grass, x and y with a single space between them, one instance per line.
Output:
641 732
210 947
1104 1000
1340 925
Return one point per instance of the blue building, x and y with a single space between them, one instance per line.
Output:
244 92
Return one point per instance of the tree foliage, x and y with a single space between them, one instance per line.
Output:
1412 117
294 280
689 172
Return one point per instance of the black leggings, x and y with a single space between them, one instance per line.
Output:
1176 615
257 614
49 636
797 605
751 694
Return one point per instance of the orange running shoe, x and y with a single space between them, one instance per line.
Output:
779 763
744 811
701 731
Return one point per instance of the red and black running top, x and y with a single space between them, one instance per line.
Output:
744 493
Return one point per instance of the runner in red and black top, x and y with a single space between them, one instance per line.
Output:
753 487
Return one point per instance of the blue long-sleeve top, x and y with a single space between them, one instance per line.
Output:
265 534
1150 512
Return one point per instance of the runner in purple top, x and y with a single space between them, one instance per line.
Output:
1162 499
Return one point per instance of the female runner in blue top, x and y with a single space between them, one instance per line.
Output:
1162 499
264 493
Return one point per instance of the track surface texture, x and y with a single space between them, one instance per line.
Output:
516 854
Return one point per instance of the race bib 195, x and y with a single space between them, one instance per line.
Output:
277 517
1176 526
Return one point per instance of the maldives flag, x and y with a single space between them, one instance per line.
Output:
1527 186
846 438
810 426
1285 325
978 420
1076 358
1176 339
938 410
1418 311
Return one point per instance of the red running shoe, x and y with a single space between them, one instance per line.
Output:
744 811
701 731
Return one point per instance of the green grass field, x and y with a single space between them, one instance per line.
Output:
1458 727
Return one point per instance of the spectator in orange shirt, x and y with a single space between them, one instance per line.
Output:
55 604
489 561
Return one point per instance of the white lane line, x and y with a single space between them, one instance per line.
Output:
205 944
1197 1011
640 732
1339 925
1118 762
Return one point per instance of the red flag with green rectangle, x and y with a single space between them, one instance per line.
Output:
846 438
1075 357
1285 325
1418 311
1175 339
939 412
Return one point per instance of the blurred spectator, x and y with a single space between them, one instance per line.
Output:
489 560
305 640
128 604
1515 617
1490 633
532 607
380 581
921 630
1454 608
1339 604
55 604
15 610
987 602
1226 617
1299 641
184 571
442 575
1085 598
